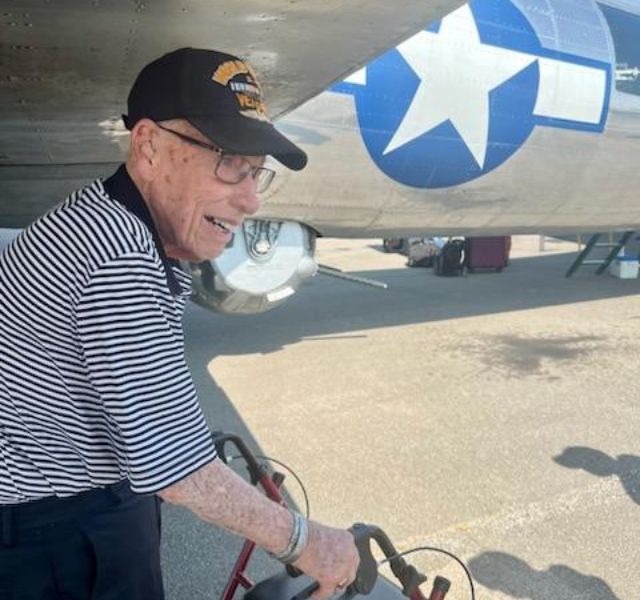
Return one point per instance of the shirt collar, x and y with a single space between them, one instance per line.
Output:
120 187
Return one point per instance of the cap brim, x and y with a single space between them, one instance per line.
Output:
243 135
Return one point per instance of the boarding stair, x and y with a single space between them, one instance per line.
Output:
612 245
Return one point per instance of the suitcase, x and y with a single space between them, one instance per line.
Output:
488 253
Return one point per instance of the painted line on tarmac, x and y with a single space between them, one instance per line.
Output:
598 494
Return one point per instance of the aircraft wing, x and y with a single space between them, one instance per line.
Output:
66 69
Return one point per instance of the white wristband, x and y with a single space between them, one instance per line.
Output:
297 541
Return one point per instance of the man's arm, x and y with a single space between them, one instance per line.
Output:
217 495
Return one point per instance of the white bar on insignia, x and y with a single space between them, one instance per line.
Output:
570 91
359 77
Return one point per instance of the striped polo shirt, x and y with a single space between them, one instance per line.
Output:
94 387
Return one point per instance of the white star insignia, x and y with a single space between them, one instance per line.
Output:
455 82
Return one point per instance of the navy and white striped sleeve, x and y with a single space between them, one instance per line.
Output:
132 342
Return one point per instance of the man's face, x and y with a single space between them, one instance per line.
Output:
195 213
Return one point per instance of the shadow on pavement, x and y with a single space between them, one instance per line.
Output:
625 466
514 577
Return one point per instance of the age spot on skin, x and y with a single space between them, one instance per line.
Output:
167 179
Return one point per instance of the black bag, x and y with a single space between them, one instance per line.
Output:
451 259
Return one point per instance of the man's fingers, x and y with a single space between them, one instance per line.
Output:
331 588
325 591
331 558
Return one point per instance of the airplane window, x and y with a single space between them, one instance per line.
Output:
625 31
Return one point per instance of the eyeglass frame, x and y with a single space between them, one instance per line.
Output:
253 171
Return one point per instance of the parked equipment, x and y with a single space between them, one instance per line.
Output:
422 252
395 245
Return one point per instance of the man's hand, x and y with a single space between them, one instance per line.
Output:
217 495
330 557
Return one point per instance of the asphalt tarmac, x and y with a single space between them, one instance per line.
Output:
493 415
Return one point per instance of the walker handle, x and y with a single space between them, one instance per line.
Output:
367 574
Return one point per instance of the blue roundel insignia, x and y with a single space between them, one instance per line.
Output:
458 99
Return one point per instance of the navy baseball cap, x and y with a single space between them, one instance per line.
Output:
219 95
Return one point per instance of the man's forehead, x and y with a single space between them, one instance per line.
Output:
184 126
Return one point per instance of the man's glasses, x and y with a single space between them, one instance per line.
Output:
231 168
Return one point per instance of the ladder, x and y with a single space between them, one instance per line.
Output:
613 246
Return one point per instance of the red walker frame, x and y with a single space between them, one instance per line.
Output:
271 486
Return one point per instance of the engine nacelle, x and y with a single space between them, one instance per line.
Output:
265 263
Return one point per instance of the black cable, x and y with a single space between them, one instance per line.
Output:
290 470
441 551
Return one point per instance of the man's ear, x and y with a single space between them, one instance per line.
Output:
144 142
144 148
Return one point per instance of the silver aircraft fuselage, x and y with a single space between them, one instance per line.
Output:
501 118
504 116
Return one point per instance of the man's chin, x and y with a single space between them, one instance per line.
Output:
196 256
208 254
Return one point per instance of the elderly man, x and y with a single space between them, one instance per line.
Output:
98 413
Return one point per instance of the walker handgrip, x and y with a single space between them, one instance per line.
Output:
367 574
440 588
368 569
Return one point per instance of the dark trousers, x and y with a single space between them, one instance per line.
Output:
99 545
